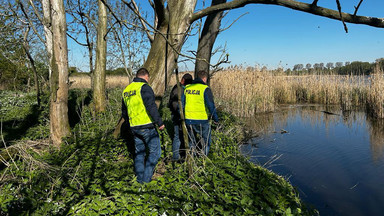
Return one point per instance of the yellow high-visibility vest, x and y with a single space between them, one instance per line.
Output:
137 112
194 102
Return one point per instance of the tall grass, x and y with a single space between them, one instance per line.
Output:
245 92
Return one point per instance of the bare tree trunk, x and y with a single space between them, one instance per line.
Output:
99 98
32 62
177 16
207 39
47 30
59 123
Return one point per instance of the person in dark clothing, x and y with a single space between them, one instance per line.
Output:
175 112
140 110
197 101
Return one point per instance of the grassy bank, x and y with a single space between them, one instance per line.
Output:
245 92
93 174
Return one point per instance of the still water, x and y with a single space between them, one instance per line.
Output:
336 161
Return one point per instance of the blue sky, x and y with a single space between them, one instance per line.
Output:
272 36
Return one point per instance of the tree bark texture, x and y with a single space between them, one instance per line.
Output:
47 30
99 98
207 39
59 123
175 22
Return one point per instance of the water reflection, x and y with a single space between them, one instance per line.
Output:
334 158
376 131
264 125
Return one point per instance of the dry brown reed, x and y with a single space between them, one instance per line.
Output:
245 92
375 99
84 81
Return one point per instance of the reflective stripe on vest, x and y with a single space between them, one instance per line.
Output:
137 112
194 102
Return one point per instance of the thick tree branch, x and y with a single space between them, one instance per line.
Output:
160 11
295 5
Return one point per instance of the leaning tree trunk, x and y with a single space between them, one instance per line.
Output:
177 17
99 98
59 123
35 76
207 39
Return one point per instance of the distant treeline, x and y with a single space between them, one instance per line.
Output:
338 68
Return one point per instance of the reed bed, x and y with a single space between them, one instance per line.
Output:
375 99
84 81
243 92
246 92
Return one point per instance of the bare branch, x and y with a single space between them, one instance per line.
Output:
295 5
221 30
357 8
120 22
36 12
30 22
341 16
117 37
136 10
78 42
90 19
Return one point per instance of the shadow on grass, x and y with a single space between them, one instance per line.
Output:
76 101
16 129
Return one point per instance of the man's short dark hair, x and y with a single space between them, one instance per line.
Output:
187 79
202 74
142 72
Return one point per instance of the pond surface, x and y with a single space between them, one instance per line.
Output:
334 159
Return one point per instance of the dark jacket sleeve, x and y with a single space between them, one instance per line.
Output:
124 111
183 100
208 97
173 100
149 102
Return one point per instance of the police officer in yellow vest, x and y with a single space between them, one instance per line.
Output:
139 108
199 108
